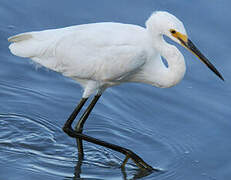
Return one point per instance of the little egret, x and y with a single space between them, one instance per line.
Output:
101 55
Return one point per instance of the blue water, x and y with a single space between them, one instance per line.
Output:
184 130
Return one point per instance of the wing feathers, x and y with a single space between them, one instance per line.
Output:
103 51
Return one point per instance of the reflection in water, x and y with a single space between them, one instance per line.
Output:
138 174
184 130
78 168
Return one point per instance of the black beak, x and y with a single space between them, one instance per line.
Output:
189 45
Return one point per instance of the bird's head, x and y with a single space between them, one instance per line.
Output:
164 23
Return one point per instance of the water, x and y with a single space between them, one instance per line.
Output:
184 130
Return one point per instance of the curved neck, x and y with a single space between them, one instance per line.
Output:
171 75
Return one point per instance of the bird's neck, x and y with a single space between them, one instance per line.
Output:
171 75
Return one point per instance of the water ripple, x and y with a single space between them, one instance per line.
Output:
45 146
169 152
34 139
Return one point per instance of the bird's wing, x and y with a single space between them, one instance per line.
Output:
102 51
99 62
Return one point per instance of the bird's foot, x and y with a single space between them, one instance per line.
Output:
137 160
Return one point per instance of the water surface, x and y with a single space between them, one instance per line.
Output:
184 130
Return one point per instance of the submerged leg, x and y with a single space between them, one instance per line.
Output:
67 128
128 153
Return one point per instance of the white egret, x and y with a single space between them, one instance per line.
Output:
101 55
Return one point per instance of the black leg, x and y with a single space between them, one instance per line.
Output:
82 120
73 115
67 128
128 153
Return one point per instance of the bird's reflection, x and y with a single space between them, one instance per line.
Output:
78 168
138 174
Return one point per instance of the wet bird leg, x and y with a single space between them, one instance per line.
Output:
78 134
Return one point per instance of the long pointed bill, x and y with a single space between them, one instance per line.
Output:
190 46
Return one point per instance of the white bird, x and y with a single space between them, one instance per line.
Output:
105 54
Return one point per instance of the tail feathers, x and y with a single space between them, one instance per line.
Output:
20 37
25 45
37 46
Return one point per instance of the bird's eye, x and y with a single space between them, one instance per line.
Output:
172 31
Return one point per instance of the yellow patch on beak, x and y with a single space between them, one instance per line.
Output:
178 35
185 42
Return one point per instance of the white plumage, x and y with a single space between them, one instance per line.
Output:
100 55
